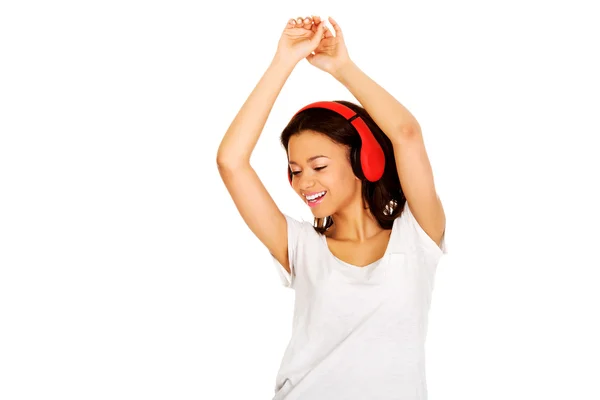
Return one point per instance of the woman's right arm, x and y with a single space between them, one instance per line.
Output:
251 198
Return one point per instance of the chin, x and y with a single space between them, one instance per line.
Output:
320 213
321 209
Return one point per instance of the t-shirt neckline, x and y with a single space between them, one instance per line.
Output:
366 267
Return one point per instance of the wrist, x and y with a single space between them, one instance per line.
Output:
343 70
279 61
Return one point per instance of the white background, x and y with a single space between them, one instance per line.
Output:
127 273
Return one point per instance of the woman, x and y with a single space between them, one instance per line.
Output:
363 273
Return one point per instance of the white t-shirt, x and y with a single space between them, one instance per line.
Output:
358 332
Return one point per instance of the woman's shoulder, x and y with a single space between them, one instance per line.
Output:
299 225
409 229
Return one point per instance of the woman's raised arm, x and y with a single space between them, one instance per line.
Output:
252 200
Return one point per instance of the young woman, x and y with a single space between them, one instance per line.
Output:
363 272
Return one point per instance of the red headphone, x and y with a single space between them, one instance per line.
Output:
372 158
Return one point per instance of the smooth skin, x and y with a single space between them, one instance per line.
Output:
360 240
355 237
261 214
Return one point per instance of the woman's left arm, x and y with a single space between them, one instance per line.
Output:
403 130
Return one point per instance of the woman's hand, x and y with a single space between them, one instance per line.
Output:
299 39
331 53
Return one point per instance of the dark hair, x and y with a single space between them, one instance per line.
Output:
385 198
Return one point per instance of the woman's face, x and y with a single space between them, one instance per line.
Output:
321 173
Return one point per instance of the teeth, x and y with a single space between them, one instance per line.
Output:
315 196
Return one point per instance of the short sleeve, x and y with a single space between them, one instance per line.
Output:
294 229
423 237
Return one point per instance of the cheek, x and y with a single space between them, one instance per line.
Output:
341 180
345 175
336 177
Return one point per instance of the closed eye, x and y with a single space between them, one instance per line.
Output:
316 169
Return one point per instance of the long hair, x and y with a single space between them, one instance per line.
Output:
384 198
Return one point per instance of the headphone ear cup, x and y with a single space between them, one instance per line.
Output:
372 157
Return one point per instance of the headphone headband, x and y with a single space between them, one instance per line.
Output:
341 109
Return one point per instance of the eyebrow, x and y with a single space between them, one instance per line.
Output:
308 160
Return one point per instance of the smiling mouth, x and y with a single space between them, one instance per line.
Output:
316 199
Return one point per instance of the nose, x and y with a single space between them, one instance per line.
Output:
305 181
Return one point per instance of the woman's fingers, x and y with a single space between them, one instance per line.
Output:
305 23
318 35
311 24
338 30
316 19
